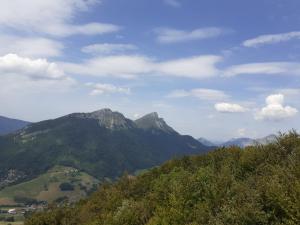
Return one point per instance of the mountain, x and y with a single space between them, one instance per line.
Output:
8 125
206 142
244 142
153 122
241 142
227 186
266 140
103 144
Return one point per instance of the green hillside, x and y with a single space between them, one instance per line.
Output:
47 187
254 186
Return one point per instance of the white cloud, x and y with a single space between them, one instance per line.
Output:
115 66
34 69
169 35
86 29
130 66
100 89
52 17
272 68
229 108
173 3
271 39
30 47
201 93
107 48
194 67
275 110
21 76
290 92
241 132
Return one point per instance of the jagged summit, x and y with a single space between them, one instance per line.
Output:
153 121
108 118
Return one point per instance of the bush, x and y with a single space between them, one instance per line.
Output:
66 187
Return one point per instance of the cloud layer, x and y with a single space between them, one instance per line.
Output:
229 108
169 35
108 49
271 39
173 3
100 89
30 46
52 17
132 66
201 93
272 68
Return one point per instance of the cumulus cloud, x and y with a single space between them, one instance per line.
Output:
272 68
201 93
32 68
100 89
173 3
131 66
271 39
229 108
52 17
169 35
275 110
30 46
107 48
21 76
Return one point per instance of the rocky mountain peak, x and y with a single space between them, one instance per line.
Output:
109 119
153 121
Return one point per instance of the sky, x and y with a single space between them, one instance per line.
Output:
213 69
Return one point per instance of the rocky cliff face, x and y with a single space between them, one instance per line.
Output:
108 119
154 122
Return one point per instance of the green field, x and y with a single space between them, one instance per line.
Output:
47 186
12 223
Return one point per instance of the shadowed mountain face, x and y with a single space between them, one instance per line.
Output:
8 125
103 144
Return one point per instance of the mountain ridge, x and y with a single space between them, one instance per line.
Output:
154 122
9 125
240 142
102 143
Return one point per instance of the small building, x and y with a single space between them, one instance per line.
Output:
12 211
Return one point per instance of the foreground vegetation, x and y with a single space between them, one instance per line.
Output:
257 185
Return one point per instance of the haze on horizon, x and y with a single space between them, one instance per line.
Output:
204 71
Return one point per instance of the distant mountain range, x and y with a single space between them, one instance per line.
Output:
8 125
241 142
207 142
103 144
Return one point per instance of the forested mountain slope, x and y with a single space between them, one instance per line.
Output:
229 186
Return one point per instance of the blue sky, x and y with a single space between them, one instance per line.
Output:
214 69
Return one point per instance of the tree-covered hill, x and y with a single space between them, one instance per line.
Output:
254 186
